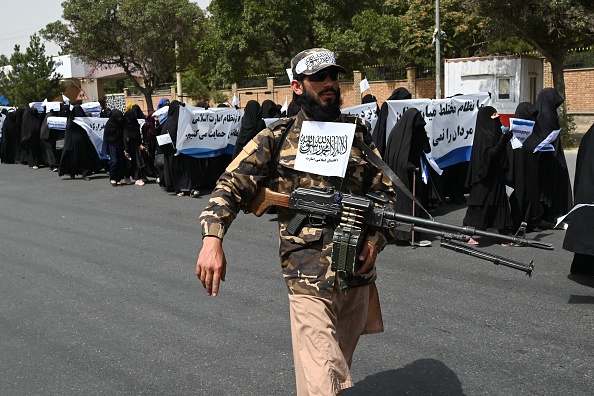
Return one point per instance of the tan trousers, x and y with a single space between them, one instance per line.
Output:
325 333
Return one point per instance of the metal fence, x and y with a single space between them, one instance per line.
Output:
578 59
383 72
256 81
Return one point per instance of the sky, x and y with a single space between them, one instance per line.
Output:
23 18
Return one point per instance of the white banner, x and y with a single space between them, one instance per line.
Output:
207 133
57 123
367 111
94 127
450 123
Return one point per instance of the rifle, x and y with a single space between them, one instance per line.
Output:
355 213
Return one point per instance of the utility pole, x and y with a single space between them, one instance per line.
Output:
178 73
437 52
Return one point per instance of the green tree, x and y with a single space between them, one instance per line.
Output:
463 31
258 36
139 37
552 27
30 76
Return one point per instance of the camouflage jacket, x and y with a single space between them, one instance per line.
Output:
306 257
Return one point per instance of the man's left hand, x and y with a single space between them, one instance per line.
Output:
367 256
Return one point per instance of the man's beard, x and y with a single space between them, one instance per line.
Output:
315 109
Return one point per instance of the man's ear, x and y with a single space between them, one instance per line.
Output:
297 87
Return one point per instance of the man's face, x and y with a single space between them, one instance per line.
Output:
319 95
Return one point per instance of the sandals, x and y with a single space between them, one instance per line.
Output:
139 182
194 193
472 241
114 183
180 193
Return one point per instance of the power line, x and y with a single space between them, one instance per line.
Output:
18 31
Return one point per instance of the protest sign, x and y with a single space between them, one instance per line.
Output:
207 133
450 124
546 145
366 111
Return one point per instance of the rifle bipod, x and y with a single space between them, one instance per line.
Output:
460 248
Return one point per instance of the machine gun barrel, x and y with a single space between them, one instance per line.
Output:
390 214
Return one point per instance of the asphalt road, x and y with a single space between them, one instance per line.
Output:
98 297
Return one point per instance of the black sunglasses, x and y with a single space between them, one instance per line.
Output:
321 75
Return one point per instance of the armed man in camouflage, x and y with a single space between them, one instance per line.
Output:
325 322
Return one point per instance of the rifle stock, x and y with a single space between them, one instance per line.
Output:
265 199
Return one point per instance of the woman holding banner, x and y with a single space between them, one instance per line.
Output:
79 156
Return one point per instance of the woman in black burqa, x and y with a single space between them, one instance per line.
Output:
134 149
113 147
251 124
379 132
553 176
522 176
487 203
180 172
49 137
578 236
79 156
405 152
31 137
270 109
11 138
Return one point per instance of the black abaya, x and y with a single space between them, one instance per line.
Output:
487 203
79 156
523 177
578 236
251 125
404 154
379 132
553 175
10 153
30 137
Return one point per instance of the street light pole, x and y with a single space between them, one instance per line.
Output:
437 52
178 73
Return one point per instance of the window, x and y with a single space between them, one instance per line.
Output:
504 89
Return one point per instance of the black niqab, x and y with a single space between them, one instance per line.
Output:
114 126
379 132
251 125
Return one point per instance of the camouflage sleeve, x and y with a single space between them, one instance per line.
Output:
378 182
238 185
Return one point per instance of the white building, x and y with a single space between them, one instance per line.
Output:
510 79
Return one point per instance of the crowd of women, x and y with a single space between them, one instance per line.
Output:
129 153
540 182
507 190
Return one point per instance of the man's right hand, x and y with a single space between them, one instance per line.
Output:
211 265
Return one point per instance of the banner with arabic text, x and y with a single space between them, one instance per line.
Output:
450 124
